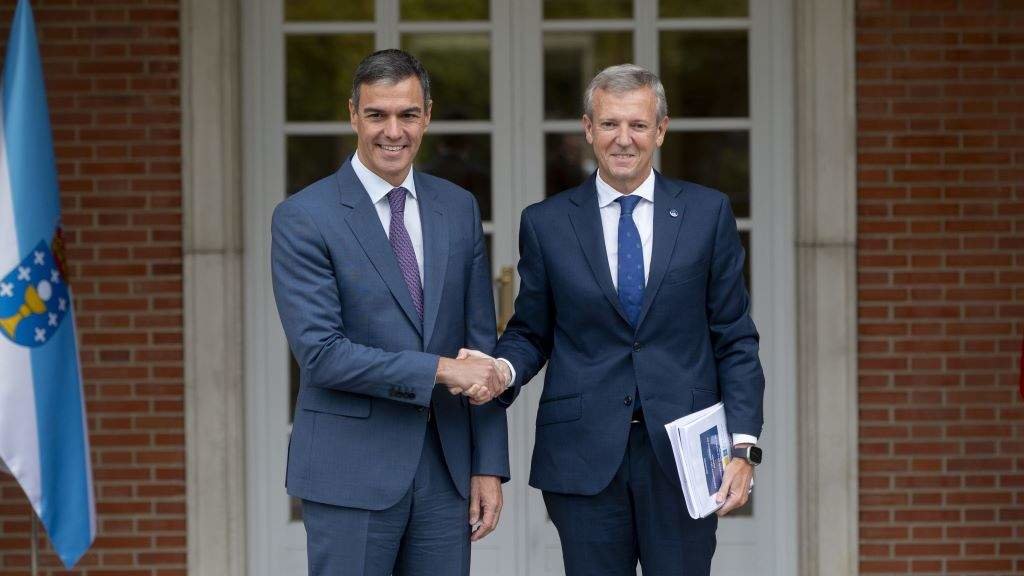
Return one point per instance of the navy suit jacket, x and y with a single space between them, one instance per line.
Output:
694 344
367 364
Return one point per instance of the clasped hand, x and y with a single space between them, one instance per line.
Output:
473 374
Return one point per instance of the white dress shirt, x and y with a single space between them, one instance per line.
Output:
378 189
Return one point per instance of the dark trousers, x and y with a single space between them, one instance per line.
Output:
425 534
639 516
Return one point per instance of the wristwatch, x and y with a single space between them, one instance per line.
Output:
751 454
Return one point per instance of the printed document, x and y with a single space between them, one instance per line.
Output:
702 446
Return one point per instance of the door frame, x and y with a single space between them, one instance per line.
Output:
214 165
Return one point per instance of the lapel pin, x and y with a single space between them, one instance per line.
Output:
673 213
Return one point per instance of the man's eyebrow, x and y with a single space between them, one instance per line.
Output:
372 110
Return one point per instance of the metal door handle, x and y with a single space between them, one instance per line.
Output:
505 300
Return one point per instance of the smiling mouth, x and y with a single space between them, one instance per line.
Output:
387 148
623 156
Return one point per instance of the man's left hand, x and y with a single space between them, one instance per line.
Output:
736 481
484 505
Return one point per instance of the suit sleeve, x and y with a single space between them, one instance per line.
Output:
734 338
305 288
489 422
528 338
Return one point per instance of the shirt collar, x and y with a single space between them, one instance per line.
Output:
376 186
606 194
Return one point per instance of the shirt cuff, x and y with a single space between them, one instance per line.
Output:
743 439
511 371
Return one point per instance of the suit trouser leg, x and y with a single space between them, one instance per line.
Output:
640 515
426 532
437 539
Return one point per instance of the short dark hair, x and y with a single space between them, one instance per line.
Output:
390 66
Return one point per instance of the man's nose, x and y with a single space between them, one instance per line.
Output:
622 136
391 129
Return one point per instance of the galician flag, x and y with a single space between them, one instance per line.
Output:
43 438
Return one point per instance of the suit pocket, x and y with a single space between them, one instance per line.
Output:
684 274
331 402
561 409
704 398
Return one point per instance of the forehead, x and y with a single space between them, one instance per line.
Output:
639 103
405 93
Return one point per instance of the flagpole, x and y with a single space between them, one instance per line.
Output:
35 543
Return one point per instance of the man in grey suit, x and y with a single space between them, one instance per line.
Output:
380 276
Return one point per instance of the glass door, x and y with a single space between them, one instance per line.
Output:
507 81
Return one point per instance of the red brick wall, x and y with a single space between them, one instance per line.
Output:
940 95
112 73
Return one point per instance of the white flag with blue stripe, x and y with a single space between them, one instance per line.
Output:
43 437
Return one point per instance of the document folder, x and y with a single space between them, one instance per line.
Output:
702 447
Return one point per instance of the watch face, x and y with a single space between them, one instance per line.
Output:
755 454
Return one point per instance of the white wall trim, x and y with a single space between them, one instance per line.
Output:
214 427
826 286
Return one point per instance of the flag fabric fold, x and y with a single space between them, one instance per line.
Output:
43 438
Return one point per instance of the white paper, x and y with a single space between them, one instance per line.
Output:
702 447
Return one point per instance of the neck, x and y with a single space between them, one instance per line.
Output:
625 187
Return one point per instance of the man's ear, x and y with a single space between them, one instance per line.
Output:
588 127
428 106
351 113
662 130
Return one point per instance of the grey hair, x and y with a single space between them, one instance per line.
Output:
625 78
390 66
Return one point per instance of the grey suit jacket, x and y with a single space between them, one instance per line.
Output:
367 363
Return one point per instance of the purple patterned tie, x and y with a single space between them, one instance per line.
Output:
402 246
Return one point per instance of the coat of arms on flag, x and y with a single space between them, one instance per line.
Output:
34 298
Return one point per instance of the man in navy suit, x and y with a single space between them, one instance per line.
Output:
632 292
381 276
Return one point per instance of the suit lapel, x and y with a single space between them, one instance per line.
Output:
365 225
586 222
435 253
667 200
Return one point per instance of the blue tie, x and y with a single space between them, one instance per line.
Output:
631 261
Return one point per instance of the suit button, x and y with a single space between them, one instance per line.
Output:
628 400
636 346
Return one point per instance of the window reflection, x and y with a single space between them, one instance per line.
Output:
562 9
717 159
571 60
310 158
702 8
438 10
319 74
705 73
570 161
464 159
460 73
349 10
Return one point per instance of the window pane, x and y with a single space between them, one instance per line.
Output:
464 159
705 73
445 10
460 73
571 60
702 8
570 161
720 160
310 158
555 9
349 10
320 70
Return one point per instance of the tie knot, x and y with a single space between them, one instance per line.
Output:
628 204
396 198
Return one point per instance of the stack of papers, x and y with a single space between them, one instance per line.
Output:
702 446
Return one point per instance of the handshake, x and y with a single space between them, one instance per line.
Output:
475 375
